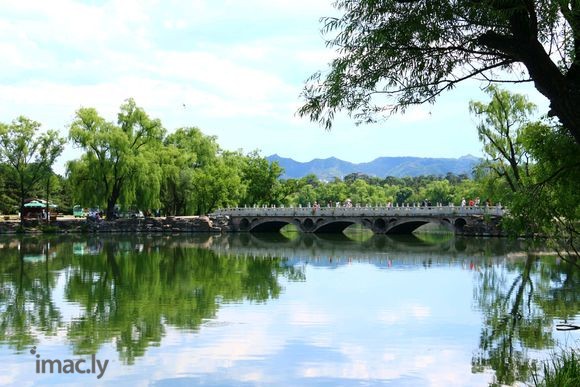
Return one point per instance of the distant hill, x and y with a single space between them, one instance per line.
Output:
327 169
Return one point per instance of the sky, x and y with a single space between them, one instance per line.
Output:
235 69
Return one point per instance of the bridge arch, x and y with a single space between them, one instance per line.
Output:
410 224
244 224
460 223
269 226
380 225
406 227
308 224
334 227
381 220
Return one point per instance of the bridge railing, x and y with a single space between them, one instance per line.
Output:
361 211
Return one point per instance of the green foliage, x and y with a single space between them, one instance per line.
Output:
49 229
535 168
126 296
28 154
199 176
403 194
118 161
130 163
562 370
519 304
184 150
550 203
373 191
9 196
261 178
503 122
219 184
438 191
409 52
307 195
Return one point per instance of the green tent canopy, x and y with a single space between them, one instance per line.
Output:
34 205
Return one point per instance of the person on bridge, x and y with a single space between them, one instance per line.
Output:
316 207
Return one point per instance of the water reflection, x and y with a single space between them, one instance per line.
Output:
26 283
338 249
521 302
128 289
387 311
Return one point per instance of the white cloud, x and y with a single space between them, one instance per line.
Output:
402 314
227 77
319 58
238 67
414 114
178 24
304 316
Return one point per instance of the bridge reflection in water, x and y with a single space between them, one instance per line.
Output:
382 251
380 220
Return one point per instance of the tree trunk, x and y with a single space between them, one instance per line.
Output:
21 201
111 202
562 90
47 198
566 106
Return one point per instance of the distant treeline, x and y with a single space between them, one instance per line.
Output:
134 163
362 189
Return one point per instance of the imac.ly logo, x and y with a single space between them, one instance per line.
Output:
69 366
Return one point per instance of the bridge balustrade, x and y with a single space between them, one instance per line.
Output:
360 211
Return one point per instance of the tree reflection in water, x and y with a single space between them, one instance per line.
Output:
26 283
519 302
128 291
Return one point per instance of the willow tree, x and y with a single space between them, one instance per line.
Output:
218 184
503 122
410 51
117 166
537 166
185 283
185 151
29 153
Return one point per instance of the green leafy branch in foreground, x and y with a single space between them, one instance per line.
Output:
538 165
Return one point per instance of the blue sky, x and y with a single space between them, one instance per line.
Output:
234 69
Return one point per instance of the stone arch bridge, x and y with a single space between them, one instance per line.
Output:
381 220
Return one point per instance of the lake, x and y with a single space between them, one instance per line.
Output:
278 309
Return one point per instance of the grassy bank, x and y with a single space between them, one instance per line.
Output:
562 370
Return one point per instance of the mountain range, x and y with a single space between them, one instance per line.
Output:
329 168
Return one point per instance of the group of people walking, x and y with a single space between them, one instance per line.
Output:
474 202
426 203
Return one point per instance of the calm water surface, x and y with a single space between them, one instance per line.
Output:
271 310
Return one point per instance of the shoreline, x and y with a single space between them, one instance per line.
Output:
188 224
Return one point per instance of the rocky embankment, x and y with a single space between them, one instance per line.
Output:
476 226
479 226
147 225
